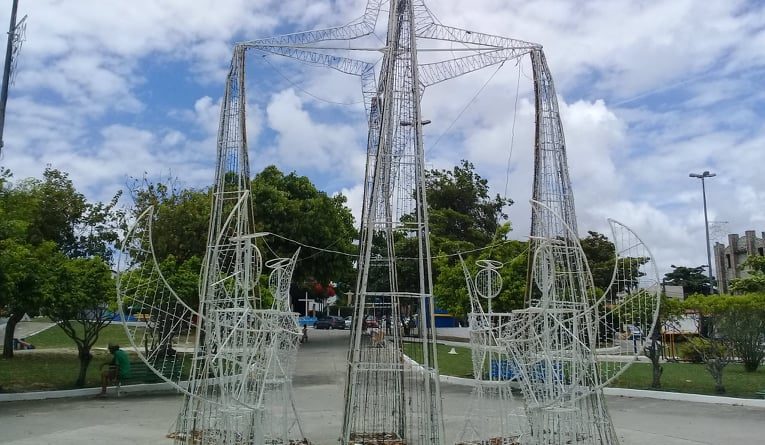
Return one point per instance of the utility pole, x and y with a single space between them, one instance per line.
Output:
702 176
11 50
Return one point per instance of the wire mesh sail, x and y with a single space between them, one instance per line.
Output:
160 326
629 307
240 369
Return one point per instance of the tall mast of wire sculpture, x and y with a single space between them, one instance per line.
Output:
385 398
240 390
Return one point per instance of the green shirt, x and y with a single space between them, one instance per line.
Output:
122 362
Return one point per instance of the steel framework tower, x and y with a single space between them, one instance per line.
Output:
387 399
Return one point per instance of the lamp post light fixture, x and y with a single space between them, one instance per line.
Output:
702 176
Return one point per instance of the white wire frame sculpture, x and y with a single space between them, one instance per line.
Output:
629 307
385 401
239 386
553 344
495 415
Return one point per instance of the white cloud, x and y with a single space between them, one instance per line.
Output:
301 142
649 91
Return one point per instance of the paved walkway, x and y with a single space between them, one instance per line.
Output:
319 392
26 328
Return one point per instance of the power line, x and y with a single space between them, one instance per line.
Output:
338 252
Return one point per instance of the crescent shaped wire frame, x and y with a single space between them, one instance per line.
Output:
552 343
241 385
160 326
629 307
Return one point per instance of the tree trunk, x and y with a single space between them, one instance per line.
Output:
10 330
657 371
655 355
716 368
719 388
85 357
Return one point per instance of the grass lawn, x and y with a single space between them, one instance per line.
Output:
54 365
460 365
677 377
694 378
55 338
40 371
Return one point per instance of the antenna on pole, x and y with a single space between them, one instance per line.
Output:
15 38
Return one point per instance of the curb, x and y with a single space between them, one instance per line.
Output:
642 394
631 393
87 392
683 397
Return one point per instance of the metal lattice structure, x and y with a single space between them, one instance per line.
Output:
553 345
387 399
629 307
495 416
239 371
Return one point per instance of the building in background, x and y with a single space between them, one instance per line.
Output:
729 259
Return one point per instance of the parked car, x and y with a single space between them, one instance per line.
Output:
348 322
330 322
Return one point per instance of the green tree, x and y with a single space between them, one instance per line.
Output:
25 269
460 207
464 217
451 290
81 300
292 208
183 277
41 218
692 279
715 350
181 218
601 257
669 310
740 320
289 206
755 281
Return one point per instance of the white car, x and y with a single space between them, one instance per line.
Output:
348 322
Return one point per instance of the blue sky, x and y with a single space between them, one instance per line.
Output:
649 91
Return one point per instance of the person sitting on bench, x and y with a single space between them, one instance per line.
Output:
118 368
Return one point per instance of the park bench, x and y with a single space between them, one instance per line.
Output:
761 393
141 373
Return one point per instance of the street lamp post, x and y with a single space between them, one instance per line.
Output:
701 176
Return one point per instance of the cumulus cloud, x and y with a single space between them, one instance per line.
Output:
649 91
302 142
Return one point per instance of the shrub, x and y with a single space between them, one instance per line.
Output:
693 350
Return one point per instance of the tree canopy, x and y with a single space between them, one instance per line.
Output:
460 207
287 205
46 225
692 279
755 281
601 256
291 207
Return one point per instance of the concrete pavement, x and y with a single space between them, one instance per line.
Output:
319 385
26 328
